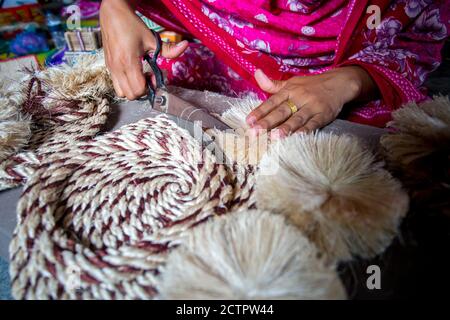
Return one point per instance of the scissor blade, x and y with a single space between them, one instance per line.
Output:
172 105
195 130
127 112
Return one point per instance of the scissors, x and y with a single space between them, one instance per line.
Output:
156 70
163 101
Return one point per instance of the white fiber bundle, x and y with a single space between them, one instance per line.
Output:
248 255
333 190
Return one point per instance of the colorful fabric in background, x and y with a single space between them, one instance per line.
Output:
39 30
20 29
286 38
28 42
21 11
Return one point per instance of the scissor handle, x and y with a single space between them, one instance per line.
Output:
156 70
152 62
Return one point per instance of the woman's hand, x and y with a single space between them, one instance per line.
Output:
126 39
319 99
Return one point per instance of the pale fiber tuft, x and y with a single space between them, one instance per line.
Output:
334 191
88 79
239 147
14 126
237 113
13 136
421 130
74 92
248 255
236 144
418 151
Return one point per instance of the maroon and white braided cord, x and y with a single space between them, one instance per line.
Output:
107 210
50 135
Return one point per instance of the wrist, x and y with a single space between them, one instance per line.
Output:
346 82
359 83
352 78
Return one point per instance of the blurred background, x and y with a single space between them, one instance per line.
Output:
45 33
37 30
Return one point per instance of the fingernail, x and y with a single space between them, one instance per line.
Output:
277 134
274 135
254 132
251 120
261 73
182 43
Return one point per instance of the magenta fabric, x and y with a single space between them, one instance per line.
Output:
302 37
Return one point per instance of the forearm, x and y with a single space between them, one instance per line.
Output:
119 5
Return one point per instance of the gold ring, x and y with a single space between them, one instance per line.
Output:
292 106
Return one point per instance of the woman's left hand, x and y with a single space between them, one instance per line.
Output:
318 98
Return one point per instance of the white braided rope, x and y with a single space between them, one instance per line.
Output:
15 170
111 207
50 135
40 106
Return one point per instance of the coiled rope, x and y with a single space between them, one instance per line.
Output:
96 220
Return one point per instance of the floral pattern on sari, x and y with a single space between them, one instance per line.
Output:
303 37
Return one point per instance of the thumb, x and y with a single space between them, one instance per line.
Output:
168 50
172 50
266 84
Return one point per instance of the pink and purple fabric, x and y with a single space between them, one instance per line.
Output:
288 38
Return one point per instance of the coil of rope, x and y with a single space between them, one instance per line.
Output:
97 220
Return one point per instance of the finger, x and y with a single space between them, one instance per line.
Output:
276 134
313 124
151 77
168 50
297 120
120 83
274 118
117 88
266 107
266 84
136 80
116 65
172 50
116 85
124 85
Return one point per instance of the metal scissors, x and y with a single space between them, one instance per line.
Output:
163 101
160 84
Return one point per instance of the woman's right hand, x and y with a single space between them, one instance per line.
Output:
126 39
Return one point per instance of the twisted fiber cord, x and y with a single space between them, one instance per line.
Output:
15 170
243 181
112 207
52 134
42 100
14 125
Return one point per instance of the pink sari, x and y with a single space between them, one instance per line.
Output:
288 38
